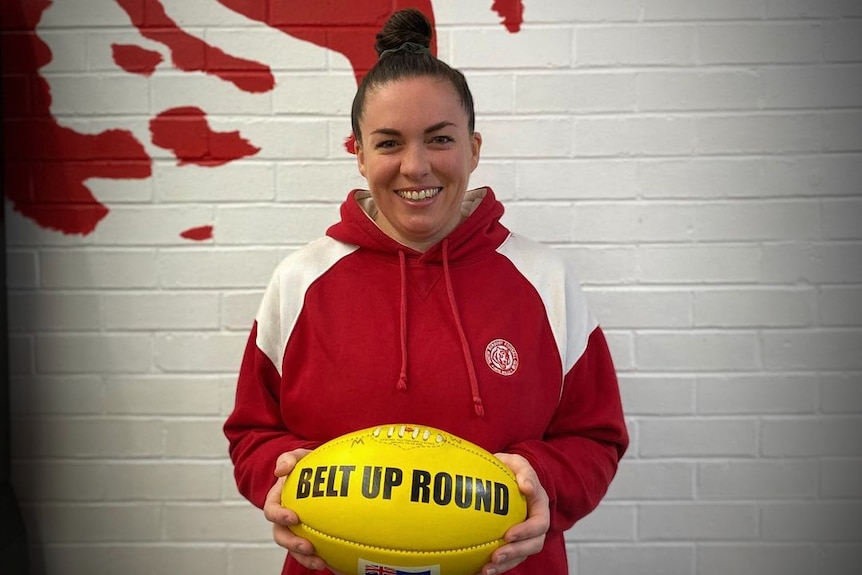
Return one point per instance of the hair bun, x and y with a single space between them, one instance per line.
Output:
408 25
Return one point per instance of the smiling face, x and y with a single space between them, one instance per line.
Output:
417 153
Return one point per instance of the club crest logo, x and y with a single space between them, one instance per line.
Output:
502 357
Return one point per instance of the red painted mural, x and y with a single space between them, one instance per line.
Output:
46 165
186 132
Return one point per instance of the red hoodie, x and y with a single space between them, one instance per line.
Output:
486 335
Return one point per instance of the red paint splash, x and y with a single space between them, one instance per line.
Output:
191 54
46 165
186 132
348 27
345 26
135 60
512 13
198 234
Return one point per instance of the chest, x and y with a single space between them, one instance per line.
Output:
353 339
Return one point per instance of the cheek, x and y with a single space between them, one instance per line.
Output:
380 169
460 167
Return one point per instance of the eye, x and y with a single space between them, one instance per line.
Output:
442 140
385 144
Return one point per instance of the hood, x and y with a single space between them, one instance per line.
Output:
479 234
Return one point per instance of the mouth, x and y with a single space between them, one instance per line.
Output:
418 194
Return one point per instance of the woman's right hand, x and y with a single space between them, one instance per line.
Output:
300 549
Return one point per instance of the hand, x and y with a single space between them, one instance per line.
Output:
300 549
526 538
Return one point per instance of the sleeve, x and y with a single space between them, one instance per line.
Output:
255 430
587 437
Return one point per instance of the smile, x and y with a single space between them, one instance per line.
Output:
416 195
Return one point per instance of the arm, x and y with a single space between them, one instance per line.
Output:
566 474
578 457
583 442
255 430
263 450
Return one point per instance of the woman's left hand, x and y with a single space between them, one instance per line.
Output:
526 538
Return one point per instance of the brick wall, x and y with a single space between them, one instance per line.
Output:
699 160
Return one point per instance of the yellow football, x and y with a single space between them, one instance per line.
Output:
403 499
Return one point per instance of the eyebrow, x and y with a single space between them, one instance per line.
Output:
429 130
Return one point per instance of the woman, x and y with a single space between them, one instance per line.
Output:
419 306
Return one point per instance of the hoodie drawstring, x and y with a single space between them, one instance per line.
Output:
478 406
465 348
402 379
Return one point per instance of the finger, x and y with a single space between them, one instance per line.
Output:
498 568
288 460
520 548
290 541
538 503
502 564
513 554
300 549
272 509
538 519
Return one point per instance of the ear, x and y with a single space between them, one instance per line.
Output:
475 148
360 156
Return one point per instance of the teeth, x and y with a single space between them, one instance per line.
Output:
416 195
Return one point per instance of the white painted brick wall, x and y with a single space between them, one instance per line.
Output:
700 161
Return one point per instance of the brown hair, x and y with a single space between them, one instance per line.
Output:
403 50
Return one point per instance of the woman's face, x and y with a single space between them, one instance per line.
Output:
417 154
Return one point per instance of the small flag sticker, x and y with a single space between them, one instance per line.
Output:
370 568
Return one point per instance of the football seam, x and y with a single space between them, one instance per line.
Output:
493 460
493 543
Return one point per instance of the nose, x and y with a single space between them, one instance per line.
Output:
415 162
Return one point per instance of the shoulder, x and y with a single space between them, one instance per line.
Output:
297 271
284 297
535 259
313 258
555 280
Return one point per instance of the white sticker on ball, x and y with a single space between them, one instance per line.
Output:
369 568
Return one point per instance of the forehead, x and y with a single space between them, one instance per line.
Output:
412 102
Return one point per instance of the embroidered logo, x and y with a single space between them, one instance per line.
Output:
502 357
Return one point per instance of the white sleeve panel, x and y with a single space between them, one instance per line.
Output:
285 295
560 291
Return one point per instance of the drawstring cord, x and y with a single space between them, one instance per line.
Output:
478 406
465 348
402 379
